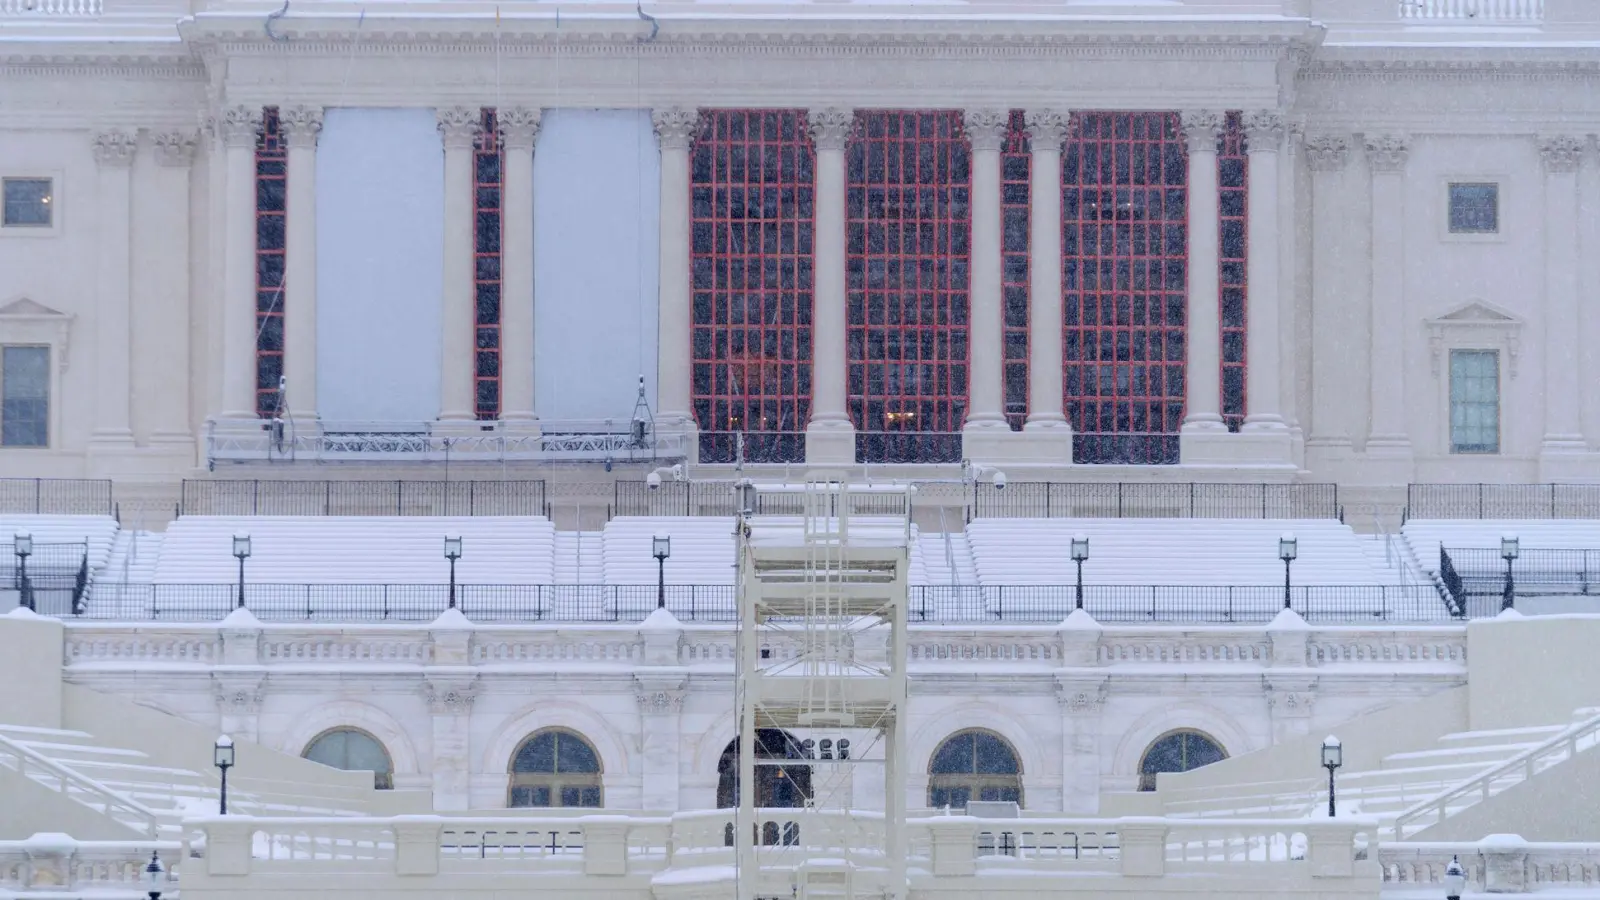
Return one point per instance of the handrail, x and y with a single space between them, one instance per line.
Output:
112 799
1566 743
949 549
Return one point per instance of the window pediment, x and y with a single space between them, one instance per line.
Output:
1478 324
26 321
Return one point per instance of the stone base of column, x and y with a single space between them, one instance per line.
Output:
1205 447
1566 459
831 443
1001 446
679 438
1389 446
110 439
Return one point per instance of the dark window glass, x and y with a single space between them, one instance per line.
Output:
487 222
973 765
1234 198
353 751
1179 751
272 186
1474 401
27 202
24 396
555 768
1474 208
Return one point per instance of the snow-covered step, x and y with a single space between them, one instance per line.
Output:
1485 755
1535 734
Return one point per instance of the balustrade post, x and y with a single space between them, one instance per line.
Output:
605 845
1505 863
1144 847
1331 849
416 845
954 845
228 845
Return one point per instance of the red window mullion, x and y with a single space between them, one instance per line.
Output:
1016 167
272 204
488 222
1233 288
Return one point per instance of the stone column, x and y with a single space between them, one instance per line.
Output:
1202 129
170 423
660 726
1046 131
239 126
1082 698
1264 131
675 131
519 129
1327 156
114 152
830 436
450 698
1563 389
301 125
458 322
1386 157
986 131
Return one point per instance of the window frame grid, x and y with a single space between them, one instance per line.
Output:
1464 448
49 202
1233 271
1016 173
272 221
1145 431
43 422
488 224
922 425
752 379
1450 208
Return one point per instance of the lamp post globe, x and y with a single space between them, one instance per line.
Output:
241 551
154 875
1288 549
452 552
1080 553
1332 759
661 548
22 545
1510 549
1455 879
222 756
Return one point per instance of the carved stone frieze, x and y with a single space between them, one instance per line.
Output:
660 702
459 125
986 129
175 148
450 696
301 125
1388 152
238 695
830 128
1327 152
1561 154
1291 698
1080 696
115 148
519 128
1047 128
1202 128
675 127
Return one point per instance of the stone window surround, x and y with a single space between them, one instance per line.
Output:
1502 232
1474 325
54 176
25 322
1499 403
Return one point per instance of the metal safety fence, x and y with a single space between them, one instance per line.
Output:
55 496
1160 500
1503 501
208 497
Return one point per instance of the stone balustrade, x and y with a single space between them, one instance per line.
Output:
1498 864
58 863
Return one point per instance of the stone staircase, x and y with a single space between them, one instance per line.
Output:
579 557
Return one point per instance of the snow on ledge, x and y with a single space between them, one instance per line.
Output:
661 620
1288 620
22 612
240 618
451 618
1080 620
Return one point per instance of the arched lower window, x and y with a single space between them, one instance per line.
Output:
973 765
555 768
353 751
777 786
1177 751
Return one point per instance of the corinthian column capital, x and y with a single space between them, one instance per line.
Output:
675 127
830 128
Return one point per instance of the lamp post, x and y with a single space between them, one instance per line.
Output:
1332 759
1510 549
154 874
452 552
1080 552
23 545
1455 879
1288 549
222 757
241 549
661 548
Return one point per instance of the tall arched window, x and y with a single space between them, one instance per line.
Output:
1177 751
973 765
353 751
555 768
777 787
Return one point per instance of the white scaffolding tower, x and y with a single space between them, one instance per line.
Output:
822 656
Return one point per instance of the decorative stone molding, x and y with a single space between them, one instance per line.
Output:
239 125
1477 324
1292 698
450 696
459 126
986 129
23 321
1202 128
1080 696
1388 152
830 128
1561 154
675 127
175 149
238 695
1327 152
1046 128
115 148
660 702
301 125
519 128
1264 129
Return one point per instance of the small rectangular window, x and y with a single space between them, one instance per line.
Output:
24 396
26 202
1474 401
1474 208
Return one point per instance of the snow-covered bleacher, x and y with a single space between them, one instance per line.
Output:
702 550
1427 535
61 544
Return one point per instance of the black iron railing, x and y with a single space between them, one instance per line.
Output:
1184 500
1452 582
1536 572
362 498
759 446
1023 604
1113 449
907 447
1503 501
717 498
55 496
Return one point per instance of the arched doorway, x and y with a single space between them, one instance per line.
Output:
1177 751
